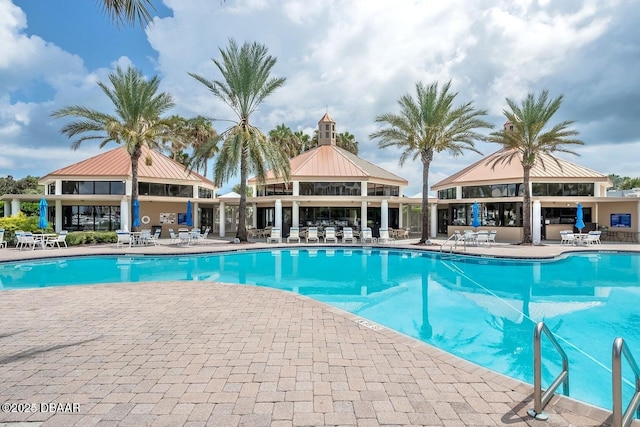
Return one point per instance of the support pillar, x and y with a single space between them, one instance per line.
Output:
535 222
278 214
124 214
384 215
254 218
7 209
58 219
222 220
363 214
400 216
15 207
295 214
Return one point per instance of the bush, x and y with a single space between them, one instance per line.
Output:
77 238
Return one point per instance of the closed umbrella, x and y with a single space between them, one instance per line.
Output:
579 219
475 210
189 214
42 221
136 213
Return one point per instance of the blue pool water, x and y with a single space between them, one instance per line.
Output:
481 309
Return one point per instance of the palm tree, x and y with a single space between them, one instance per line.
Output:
524 137
347 141
247 82
127 12
304 139
427 125
136 123
284 136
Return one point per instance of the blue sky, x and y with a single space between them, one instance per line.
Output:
352 58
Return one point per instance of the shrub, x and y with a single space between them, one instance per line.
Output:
77 238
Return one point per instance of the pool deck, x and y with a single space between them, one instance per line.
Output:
207 354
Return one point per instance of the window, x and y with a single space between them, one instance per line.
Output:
328 189
449 193
205 193
91 218
92 187
374 189
165 190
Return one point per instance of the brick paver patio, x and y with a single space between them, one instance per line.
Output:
208 354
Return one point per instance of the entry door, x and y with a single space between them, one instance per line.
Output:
206 218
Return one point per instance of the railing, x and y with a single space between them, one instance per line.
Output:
453 238
541 399
621 419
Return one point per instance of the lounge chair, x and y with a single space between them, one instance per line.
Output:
154 237
18 234
60 238
567 238
330 234
276 235
174 237
384 236
312 234
492 237
204 236
366 236
294 234
3 243
347 234
593 238
124 238
27 239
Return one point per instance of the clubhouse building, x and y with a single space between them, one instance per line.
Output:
330 186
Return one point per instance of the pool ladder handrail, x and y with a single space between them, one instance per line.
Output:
453 238
620 418
540 399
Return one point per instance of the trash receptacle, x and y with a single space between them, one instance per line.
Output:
154 228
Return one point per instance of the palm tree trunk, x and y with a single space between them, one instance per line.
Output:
427 156
135 156
241 232
526 207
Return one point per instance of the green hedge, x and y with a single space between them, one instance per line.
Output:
76 238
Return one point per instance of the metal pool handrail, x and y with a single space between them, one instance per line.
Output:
454 238
540 400
619 418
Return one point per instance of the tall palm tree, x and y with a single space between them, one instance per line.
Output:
427 125
284 136
204 141
247 81
526 139
136 123
347 141
304 139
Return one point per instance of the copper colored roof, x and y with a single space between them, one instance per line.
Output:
329 161
547 168
116 163
326 118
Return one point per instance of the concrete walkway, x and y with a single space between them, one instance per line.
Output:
207 354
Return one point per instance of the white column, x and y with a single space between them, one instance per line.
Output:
434 220
196 215
638 220
363 189
596 189
195 194
221 217
124 214
400 216
7 208
278 218
363 214
58 189
254 219
296 188
295 214
128 188
384 214
15 207
535 222
458 192
58 220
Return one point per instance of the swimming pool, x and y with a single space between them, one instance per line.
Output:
480 309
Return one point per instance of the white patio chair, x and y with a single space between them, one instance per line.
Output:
470 237
173 236
384 236
154 237
124 238
3 243
366 236
312 234
492 237
145 236
347 234
204 236
184 237
330 234
294 234
60 238
27 240
482 237
276 235
18 234
593 238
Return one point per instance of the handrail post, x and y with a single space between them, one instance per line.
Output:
621 418
541 399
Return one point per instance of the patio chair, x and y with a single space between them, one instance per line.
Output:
294 234
184 237
27 240
173 236
470 237
154 237
593 238
482 237
312 234
145 236
403 234
366 236
384 236
204 236
3 243
275 236
124 238
330 234
60 238
18 234
347 234
492 237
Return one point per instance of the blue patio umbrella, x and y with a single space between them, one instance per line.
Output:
136 213
475 210
42 221
189 214
579 219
